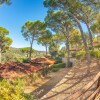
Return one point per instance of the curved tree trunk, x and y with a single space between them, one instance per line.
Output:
90 36
83 38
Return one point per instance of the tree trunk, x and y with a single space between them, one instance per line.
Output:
67 44
30 53
83 38
68 50
90 36
0 55
46 50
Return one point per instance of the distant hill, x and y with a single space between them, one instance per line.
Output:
41 51
17 50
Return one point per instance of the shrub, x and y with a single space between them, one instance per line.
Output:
10 56
73 54
13 90
56 67
30 79
58 58
91 53
60 65
97 46
96 53
25 60
80 54
29 97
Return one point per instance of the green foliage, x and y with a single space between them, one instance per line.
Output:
9 56
96 53
8 2
30 79
58 58
13 90
29 97
54 50
75 37
25 60
95 27
73 54
12 55
58 38
45 38
25 50
57 67
5 41
57 21
97 46
16 55
31 30
71 8
80 54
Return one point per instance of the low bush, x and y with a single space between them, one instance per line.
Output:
58 58
60 65
25 60
57 67
10 56
30 79
73 54
80 54
97 46
13 90
96 53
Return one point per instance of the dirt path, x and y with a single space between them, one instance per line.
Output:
45 88
67 81
73 81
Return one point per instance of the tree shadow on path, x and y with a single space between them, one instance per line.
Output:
45 88
74 80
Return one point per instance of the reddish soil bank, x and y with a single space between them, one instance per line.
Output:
15 69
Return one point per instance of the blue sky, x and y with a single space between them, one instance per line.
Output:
14 16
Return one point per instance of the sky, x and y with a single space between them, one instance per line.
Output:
14 16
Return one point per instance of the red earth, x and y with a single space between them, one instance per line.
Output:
15 69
